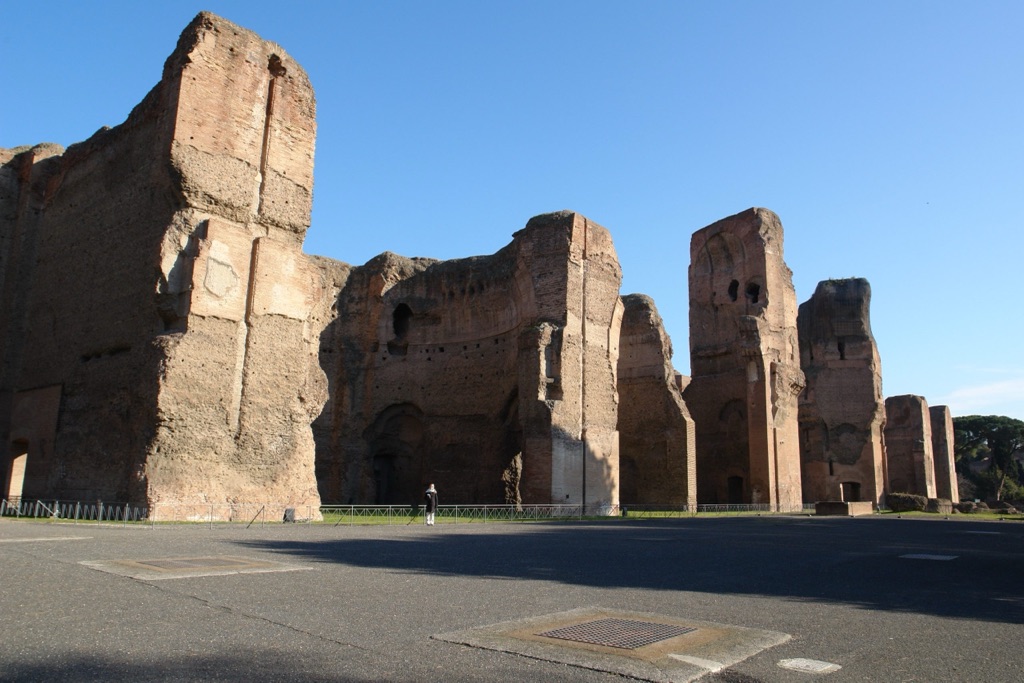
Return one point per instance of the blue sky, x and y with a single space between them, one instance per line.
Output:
888 136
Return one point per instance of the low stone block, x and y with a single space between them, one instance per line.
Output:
842 508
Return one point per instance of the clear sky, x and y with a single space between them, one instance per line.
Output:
888 136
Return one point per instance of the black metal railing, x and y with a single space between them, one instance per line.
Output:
261 514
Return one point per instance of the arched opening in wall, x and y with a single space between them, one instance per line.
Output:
14 471
850 491
714 265
395 441
401 319
735 490
734 290
753 293
385 478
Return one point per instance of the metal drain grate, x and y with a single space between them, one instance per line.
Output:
621 633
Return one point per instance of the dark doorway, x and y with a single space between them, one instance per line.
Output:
735 485
395 443
385 476
851 491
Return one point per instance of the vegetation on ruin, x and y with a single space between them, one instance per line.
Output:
989 451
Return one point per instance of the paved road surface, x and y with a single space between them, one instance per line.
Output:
362 603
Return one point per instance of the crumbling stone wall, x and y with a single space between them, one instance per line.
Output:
908 446
745 364
842 411
447 371
946 485
27 417
163 338
657 455
168 297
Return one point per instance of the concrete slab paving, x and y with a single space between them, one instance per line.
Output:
700 648
164 568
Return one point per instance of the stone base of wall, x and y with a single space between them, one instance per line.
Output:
841 508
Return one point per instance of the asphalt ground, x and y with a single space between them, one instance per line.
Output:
369 603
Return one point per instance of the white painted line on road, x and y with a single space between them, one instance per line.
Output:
709 664
811 666
987 533
42 538
925 556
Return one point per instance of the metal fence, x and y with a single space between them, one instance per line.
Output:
171 513
262 514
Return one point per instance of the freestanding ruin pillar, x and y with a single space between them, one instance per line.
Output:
657 456
908 446
745 365
842 411
942 449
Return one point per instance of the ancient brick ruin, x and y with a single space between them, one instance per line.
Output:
164 339
156 301
657 462
745 363
478 372
842 410
908 445
942 453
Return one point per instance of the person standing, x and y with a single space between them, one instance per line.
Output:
431 504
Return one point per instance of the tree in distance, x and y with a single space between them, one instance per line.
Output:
996 438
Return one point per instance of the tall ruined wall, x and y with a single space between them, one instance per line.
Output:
744 363
241 382
169 299
447 371
657 455
908 446
79 308
946 485
27 418
842 411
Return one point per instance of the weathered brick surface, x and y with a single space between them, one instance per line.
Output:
946 486
842 411
447 370
657 456
160 285
163 338
744 362
908 446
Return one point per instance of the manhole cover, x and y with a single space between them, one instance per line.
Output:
638 645
621 633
